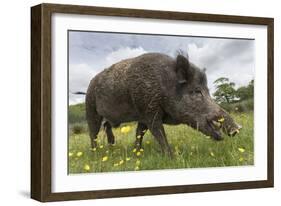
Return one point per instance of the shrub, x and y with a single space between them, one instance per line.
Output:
243 106
78 129
77 113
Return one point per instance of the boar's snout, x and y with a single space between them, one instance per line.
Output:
233 130
224 122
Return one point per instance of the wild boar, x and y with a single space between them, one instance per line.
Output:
154 89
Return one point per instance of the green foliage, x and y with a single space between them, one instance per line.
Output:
225 90
78 128
234 100
191 149
77 113
247 92
240 106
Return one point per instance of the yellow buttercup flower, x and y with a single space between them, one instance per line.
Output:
121 162
141 150
101 146
79 154
87 167
125 129
241 159
137 168
128 159
147 142
212 154
139 136
115 164
138 154
241 149
134 150
105 158
70 154
138 162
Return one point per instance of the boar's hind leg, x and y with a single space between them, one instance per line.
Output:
158 132
141 129
109 133
94 123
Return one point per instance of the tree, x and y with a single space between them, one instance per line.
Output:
245 92
225 91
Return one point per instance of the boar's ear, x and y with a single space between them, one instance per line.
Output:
183 70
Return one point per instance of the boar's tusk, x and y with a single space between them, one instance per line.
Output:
221 120
217 124
232 133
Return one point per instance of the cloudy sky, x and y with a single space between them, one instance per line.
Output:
91 52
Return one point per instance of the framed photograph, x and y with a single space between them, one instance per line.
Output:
130 102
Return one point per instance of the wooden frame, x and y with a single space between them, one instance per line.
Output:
41 101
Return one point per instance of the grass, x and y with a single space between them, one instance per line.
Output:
191 149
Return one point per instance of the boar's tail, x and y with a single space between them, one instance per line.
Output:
80 93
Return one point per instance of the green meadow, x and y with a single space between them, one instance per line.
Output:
191 148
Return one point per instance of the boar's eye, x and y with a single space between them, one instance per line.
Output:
196 92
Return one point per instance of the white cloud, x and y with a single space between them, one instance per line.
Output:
231 58
238 67
123 53
80 75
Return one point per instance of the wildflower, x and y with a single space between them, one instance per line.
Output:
125 129
70 154
134 150
138 154
147 142
128 159
93 149
87 167
101 146
221 119
241 149
121 162
236 108
241 159
138 162
115 164
212 154
105 158
141 150
137 168
79 154
139 136
106 151
207 137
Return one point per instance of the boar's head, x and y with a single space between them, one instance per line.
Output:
195 106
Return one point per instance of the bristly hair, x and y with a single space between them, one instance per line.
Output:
182 53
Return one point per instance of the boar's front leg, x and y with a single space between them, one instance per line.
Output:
157 130
141 129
